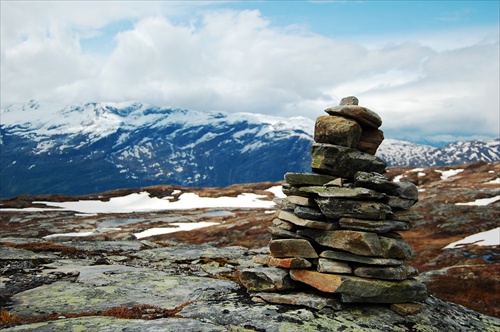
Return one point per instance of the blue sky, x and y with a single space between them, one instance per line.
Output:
429 68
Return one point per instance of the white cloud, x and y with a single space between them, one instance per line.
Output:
238 61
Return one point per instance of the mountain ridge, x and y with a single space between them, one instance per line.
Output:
93 147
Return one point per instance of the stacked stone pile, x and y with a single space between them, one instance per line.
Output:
335 235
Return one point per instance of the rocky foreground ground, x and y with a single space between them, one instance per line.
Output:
186 281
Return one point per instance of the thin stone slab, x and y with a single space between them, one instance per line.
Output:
290 190
356 289
305 212
307 179
337 130
405 215
359 243
284 248
326 265
310 300
284 204
348 257
287 263
290 217
385 273
265 279
341 161
281 233
283 224
336 208
302 201
343 192
380 227
399 203
365 117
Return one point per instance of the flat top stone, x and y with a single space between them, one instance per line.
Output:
364 116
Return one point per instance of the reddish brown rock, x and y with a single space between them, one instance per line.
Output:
337 130
324 282
370 140
289 263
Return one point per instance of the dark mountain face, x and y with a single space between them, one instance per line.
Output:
95 147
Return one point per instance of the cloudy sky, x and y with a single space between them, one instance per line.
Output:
430 69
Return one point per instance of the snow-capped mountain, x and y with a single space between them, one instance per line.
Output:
99 146
85 148
402 153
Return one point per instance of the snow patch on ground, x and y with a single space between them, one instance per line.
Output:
141 202
488 238
178 227
449 173
481 201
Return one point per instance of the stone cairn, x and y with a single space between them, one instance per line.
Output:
334 238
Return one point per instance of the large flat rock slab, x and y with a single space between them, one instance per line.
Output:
106 287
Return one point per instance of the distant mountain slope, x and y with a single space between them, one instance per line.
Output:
78 149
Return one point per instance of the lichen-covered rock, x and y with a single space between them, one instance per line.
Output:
307 179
